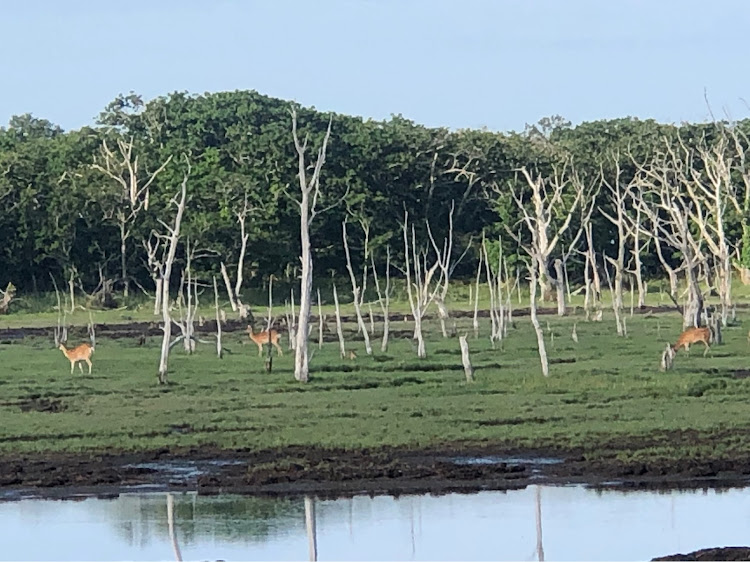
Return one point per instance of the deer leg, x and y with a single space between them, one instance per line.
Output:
89 362
278 348
80 366
72 366
260 350
708 347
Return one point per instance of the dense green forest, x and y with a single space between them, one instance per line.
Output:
65 212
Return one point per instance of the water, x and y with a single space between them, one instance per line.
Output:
576 524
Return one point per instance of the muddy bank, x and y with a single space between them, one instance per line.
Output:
725 553
297 470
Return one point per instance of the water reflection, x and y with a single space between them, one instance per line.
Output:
559 523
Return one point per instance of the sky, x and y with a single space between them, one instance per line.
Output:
455 63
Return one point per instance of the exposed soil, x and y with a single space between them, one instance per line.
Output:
726 553
297 470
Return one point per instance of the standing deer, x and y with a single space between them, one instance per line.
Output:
78 355
261 338
691 336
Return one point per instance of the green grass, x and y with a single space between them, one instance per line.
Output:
601 391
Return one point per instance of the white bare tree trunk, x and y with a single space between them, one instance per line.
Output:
495 331
123 169
71 289
310 192
619 197
671 273
321 322
535 321
616 309
559 285
356 292
465 359
444 255
301 357
230 290
171 239
384 298
635 233
418 285
219 350
339 330
475 321
546 201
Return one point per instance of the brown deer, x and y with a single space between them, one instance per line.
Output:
78 355
261 338
691 336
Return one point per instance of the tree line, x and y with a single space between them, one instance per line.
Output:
86 207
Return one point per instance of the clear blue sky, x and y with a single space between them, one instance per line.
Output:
455 63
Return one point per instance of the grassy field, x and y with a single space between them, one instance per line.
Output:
602 390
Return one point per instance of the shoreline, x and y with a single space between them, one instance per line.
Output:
338 473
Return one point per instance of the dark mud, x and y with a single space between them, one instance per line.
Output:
725 553
335 472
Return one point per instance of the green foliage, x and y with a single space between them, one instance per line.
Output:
60 214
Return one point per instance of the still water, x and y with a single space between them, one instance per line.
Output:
552 523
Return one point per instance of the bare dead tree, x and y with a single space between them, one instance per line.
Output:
73 270
308 209
384 297
593 286
235 292
465 359
419 283
170 239
541 347
291 321
356 293
339 330
446 266
219 350
91 329
321 321
619 320
475 321
666 206
634 229
712 194
131 194
494 287
547 203
152 245
656 238
740 143
61 330
619 196
187 302
269 324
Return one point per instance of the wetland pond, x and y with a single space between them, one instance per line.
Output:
537 522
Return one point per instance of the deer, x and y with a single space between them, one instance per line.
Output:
78 355
691 336
261 338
